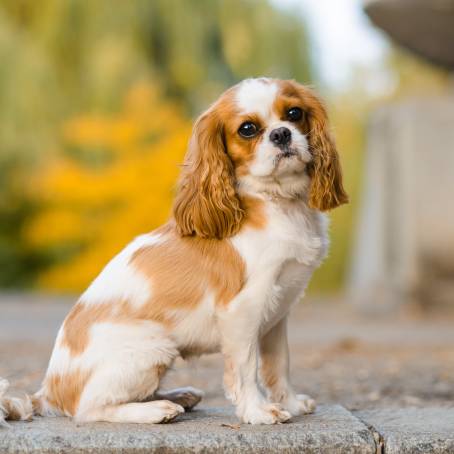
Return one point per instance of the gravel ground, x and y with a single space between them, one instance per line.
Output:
338 356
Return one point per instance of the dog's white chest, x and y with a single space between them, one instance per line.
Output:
280 259
294 234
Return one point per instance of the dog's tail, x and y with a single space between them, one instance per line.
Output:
17 408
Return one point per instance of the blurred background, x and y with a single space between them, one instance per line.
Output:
96 105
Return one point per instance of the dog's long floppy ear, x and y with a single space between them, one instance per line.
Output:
206 203
327 190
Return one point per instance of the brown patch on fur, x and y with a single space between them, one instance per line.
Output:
229 377
18 409
268 371
287 100
77 325
254 209
11 410
327 189
183 267
241 150
63 391
161 369
37 405
206 203
273 359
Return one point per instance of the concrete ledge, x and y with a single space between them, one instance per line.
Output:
331 429
412 430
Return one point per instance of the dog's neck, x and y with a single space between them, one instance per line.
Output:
276 189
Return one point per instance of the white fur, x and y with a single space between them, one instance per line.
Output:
280 260
135 412
256 96
264 163
204 317
274 343
61 360
138 348
118 280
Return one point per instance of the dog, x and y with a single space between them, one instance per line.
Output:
247 231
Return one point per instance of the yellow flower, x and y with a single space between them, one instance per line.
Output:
90 211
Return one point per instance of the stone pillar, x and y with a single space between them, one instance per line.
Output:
405 239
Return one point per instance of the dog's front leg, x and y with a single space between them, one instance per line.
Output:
274 371
241 351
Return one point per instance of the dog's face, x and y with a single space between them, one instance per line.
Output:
261 136
267 135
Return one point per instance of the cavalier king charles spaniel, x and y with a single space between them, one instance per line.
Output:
246 234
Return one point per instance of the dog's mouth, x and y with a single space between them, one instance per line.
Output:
286 154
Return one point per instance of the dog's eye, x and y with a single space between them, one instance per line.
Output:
294 114
248 129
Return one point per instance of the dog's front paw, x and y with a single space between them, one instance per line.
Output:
265 414
299 404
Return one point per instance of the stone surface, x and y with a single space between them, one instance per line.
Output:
413 430
337 355
425 27
331 429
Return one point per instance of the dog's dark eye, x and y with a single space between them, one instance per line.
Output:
248 129
294 114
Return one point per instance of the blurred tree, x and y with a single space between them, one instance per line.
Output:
26 119
199 47
48 72
194 47
115 181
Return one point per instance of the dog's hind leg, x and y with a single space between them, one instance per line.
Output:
158 411
120 398
124 364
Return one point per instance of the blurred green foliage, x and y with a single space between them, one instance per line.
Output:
61 58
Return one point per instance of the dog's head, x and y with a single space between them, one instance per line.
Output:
261 136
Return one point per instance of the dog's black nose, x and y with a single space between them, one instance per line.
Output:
281 136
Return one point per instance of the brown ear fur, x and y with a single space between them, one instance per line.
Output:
327 189
206 203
